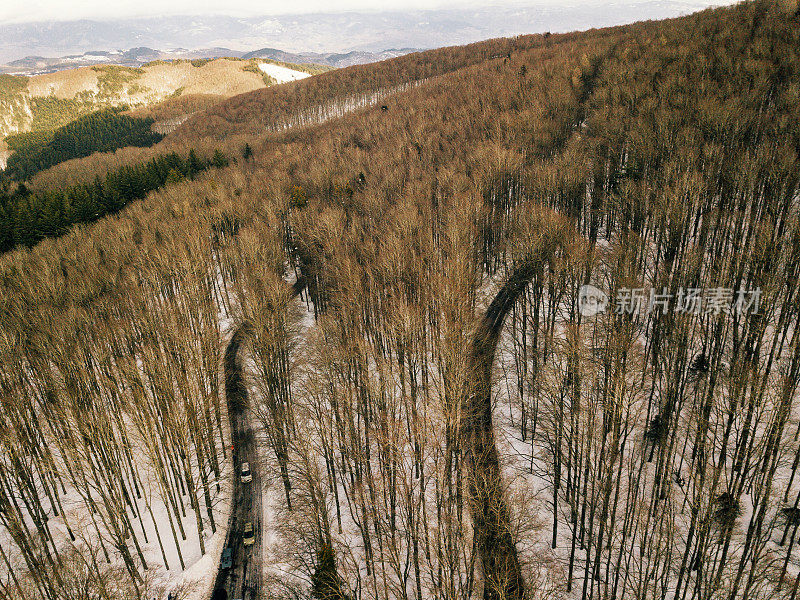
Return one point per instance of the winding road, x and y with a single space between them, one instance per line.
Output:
490 514
242 580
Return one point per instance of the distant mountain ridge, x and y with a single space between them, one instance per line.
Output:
140 56
343 32
333 59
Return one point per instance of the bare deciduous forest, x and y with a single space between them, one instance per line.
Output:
436 417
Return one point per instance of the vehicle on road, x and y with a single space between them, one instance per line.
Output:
249 537
247 475
227 558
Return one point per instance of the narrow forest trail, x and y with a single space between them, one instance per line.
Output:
491 519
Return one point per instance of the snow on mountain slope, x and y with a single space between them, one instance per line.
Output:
281 74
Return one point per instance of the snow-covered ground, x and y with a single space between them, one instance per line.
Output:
174 562
153 526
282 74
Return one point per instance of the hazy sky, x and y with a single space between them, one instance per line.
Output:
16 11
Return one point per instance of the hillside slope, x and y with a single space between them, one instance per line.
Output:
47 101
308 102
440 416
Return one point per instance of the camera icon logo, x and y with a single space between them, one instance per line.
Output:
591 301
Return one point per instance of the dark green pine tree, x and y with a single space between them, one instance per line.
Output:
195 164
6 229
325 581
219 160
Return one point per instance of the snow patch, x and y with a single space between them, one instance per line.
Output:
282 74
